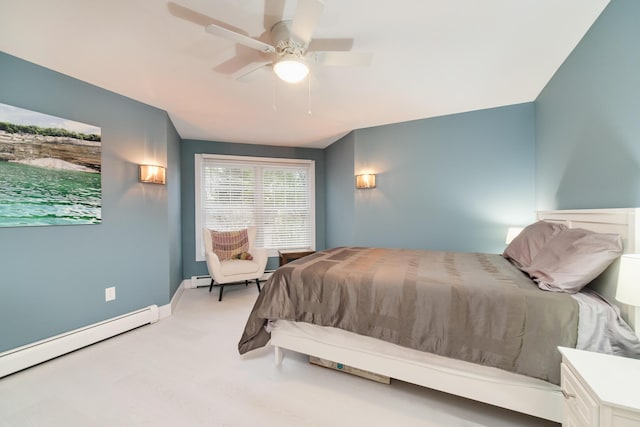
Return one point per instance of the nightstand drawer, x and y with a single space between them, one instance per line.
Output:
582 408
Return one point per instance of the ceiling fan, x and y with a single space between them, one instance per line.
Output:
289 52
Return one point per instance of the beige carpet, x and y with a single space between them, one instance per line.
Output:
185 371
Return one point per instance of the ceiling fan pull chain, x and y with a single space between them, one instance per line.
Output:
309 96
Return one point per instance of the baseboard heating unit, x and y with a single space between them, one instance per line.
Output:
20 358
205 280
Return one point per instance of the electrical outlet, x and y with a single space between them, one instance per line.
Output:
110 293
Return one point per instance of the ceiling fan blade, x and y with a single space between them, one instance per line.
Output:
188 14
343 58
249 69
341 45
243 56
273 11
306 19
239 38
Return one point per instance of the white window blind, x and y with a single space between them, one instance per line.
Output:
275 195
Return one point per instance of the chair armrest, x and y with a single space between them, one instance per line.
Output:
213 265
260 257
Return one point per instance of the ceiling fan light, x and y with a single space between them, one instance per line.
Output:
291 69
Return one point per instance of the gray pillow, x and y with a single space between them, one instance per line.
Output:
573 258
528 243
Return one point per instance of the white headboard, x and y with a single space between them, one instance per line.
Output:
622 221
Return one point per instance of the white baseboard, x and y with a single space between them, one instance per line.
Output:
20 358
198 281
167 309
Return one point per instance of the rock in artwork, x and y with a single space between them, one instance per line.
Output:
50 170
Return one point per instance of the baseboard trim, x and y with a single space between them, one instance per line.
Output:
23 357
196 281
167 309
205 280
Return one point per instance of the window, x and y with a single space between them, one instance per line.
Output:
275 195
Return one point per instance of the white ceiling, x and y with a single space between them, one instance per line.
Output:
430 58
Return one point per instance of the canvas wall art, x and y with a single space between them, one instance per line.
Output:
49 170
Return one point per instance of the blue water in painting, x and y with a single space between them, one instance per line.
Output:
31 195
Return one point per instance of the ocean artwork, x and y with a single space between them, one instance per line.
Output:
49 170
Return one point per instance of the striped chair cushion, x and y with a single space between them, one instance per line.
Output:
227 244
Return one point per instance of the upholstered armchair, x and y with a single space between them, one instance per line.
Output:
232 257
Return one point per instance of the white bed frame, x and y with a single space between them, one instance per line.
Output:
507 390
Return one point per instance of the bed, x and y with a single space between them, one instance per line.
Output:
523 386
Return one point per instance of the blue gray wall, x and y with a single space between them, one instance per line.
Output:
447 183
190 148
174 208
588 119
340 192
52 279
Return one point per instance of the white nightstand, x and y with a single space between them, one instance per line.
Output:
600 390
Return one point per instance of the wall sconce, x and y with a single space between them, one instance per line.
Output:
153 174
364 181
628 291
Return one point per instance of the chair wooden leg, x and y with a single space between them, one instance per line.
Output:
221 290
258 285
211 285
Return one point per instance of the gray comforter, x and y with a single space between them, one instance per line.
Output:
469 306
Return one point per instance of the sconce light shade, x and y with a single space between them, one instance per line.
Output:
512 233
628 291
153 174
367 180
